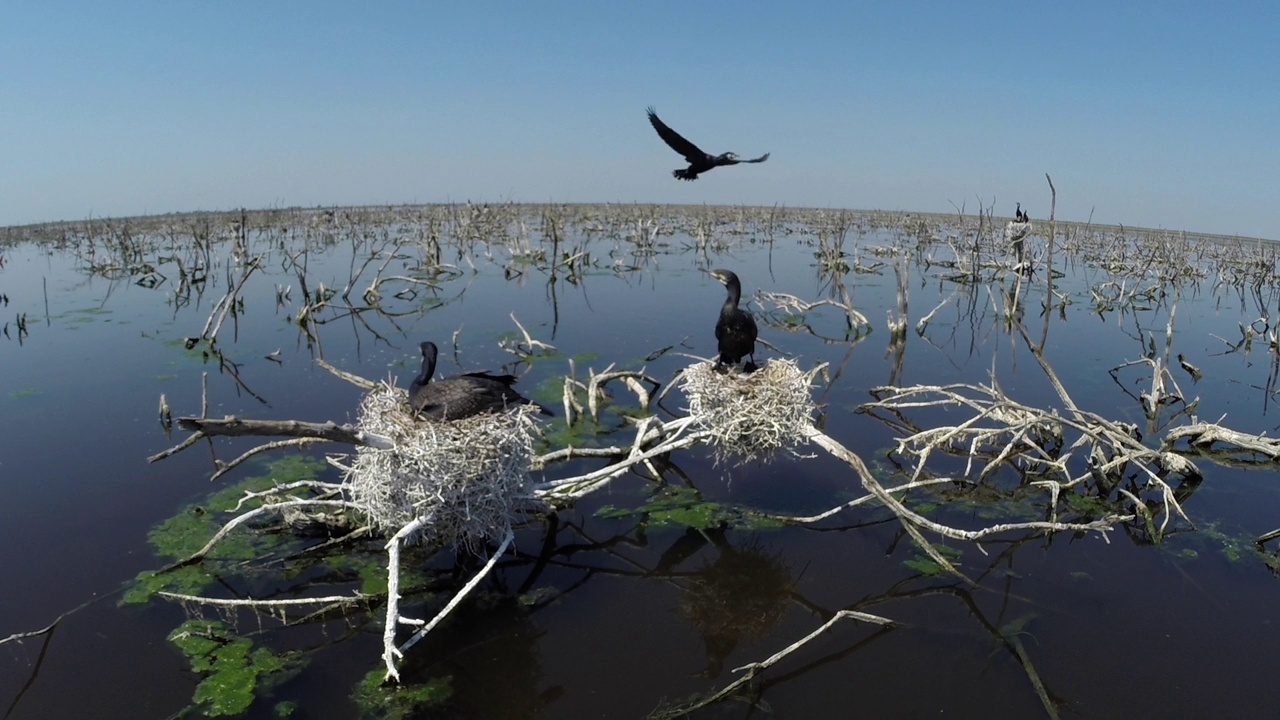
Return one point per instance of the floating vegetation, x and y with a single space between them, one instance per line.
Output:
400 702
685 507
191 529
234 672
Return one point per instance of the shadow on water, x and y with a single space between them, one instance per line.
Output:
1019 382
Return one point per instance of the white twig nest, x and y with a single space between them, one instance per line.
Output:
467 478
1015 231
751 416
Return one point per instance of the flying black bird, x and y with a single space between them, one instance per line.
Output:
463 395
736 329
699 161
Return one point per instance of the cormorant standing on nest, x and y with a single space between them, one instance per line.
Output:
736 329
463 395
699 161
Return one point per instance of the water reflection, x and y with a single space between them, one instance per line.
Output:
490 657
740 595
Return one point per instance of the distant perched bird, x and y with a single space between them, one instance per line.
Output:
736 329
699 161
463 395
1021 216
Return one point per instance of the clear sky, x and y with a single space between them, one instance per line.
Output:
1160 114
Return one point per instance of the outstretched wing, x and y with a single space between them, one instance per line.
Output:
762 158
690 151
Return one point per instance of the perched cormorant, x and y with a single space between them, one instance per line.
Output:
699 161
463 395
736 329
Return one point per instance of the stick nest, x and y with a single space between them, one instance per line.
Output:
751 416
468 478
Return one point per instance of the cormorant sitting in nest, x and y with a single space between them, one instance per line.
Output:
736 329
699 161
463 395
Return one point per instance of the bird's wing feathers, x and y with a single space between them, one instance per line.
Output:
508 380
760 159
672 138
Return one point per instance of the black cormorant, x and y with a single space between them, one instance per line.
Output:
699 161
463 395
736 329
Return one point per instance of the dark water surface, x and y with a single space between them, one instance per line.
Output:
623 617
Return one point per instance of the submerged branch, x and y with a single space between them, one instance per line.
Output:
352 378
224 468
751 670
33 633
347 600
231 426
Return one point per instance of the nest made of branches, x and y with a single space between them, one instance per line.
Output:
467 478
751 416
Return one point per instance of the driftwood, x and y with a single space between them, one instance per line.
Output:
231 426
791 303
1203 436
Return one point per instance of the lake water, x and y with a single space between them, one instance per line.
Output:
619 613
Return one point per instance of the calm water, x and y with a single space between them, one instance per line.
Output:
613 618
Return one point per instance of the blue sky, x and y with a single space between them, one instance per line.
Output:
1153 114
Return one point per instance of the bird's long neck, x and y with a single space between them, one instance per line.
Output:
428 368
735 294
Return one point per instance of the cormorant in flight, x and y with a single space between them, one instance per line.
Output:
736 329
699 161
463 395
